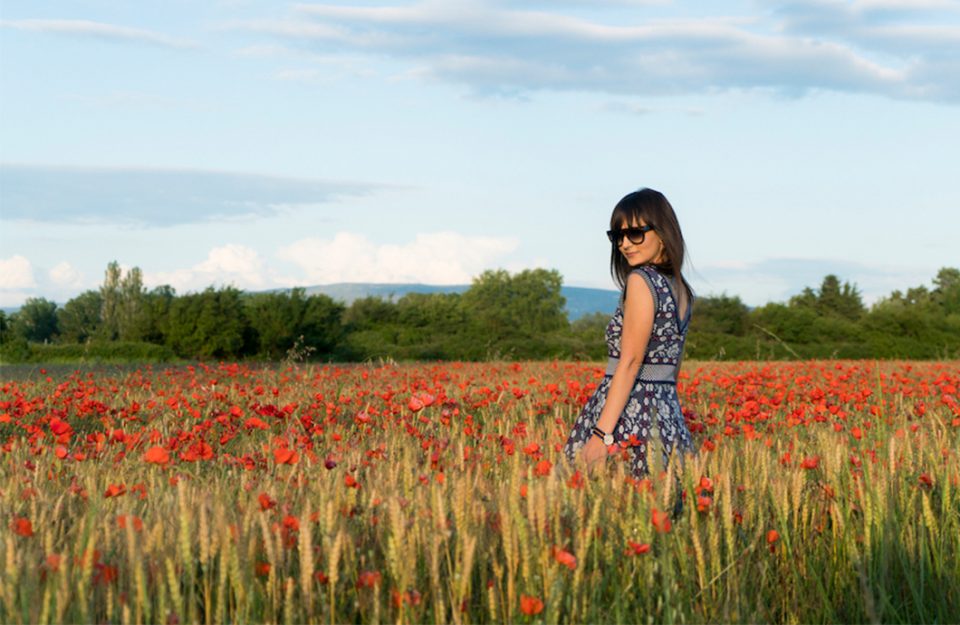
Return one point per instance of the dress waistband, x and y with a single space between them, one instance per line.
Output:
649 372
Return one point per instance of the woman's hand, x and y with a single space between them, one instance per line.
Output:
593 452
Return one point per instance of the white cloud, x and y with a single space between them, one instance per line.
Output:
431 258
16 273
794 48
66 275
99 30
231 264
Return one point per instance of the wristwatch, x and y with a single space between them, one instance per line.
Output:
607 437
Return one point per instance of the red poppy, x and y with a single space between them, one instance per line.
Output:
636 549
810 462
772 537
368 579
530 605
253 423
282 455
22 526
114 490
105 573
135 521
291 523
543 468
565 558
576 480
265 502
661 520
157 455
53 562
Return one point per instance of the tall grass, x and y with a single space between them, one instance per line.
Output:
476 535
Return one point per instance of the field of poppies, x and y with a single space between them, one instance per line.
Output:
822 491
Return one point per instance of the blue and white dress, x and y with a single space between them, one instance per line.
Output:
653 408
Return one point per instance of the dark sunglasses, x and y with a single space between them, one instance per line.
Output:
636 235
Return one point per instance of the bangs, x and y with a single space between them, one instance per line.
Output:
631 209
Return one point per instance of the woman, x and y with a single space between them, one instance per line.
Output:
638 395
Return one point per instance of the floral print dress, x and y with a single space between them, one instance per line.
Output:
653 409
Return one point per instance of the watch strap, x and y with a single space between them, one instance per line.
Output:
603 435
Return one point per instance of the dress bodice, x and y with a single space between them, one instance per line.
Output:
664 352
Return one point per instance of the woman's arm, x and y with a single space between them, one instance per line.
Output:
638 313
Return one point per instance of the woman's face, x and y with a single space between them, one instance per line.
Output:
637 254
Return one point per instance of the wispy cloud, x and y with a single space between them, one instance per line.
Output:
98 30
157 197
899 29
793 48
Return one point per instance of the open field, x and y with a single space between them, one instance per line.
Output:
823 491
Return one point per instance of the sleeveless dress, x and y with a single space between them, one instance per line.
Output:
653 409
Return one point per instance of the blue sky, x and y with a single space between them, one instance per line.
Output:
267 144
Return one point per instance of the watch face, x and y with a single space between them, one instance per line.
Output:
608 439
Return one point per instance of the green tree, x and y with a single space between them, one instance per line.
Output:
273 318
130 306
526 304
110 297
279 319
843 300
36 320
371 329
806 299
791 324
947 290
122 304
369 312
321 324
210 324
154 314
916 298
720 314
431 326
79 319
833 298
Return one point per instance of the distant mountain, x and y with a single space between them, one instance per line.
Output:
580 300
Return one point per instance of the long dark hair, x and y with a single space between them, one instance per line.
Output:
654 209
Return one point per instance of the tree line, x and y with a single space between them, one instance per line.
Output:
501 316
